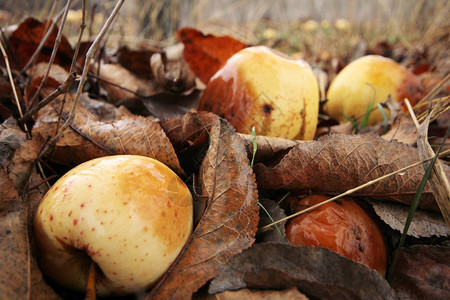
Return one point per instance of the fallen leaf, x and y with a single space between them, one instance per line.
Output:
440 185
288 294
173 76
20 273
26 38
88 138
336 163
205 54
317 272
267 146
402 130
422 272
274 213
424 223
17 152
229 222
137 61
120 84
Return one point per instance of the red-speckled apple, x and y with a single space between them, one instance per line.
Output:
350 92
129 214
342 226
259 87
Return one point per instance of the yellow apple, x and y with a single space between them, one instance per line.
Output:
259 87
131 215
351 92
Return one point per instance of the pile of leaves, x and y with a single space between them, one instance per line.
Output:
143 101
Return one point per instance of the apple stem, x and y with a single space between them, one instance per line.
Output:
90 284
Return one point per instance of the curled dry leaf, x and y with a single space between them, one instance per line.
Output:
205 54
172 76
424 223
422 272
88 138
26 38
267 146
291 294
317 272
229 221
438 180
403 130
336 163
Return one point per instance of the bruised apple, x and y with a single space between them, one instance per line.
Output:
259 87
351 92
341 226
130 215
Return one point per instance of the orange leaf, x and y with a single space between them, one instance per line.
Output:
205 54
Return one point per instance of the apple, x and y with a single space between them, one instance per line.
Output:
341 226
131 215
352 90
259 87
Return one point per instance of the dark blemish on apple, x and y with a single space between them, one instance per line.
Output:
82 205
115 273
101 223
70 213
75 222
105 211
41 211
125 203
93 229
146 254
137 246
81 232
267 109
90 185
51 217
110 238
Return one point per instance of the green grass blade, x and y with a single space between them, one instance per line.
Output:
414 206
353 121
385 118
273 221
365 120
255 146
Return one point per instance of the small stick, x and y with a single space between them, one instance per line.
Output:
62 89
90 283
267 227
13 86
53 55
87 65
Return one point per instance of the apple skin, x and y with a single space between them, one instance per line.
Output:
350 93
129 214
341 226
259 87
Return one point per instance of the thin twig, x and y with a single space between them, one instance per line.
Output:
53 55
41 44
62 89
267 227
87 65
13 86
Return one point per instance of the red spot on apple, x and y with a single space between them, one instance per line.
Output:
75 221
41 211
115 273
82 205
93 229
70 213
51 217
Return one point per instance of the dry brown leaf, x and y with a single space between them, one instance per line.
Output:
26 38
317 272
422 272
288 294
274 213
424 223
17 152
137 60
206 53
403 130
337 163
229 222
267 146
122 78
440 186
88 138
